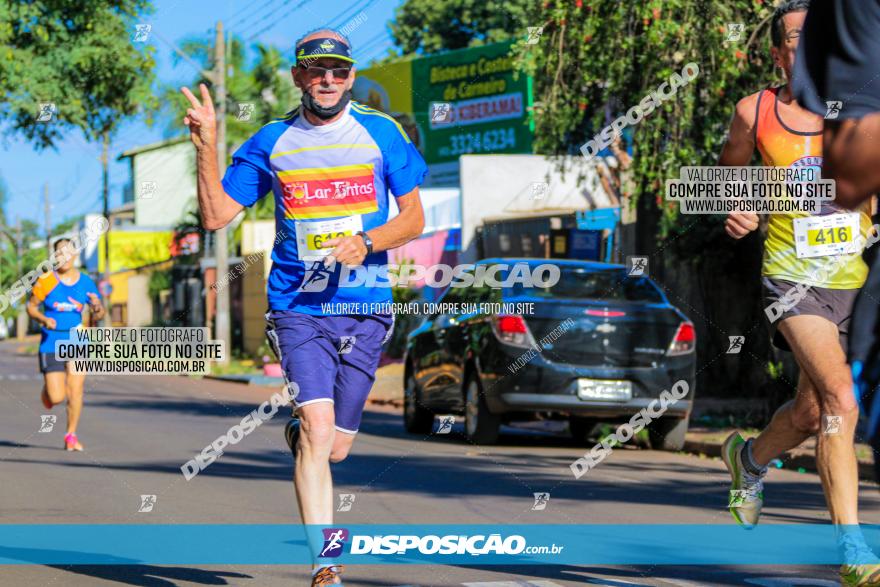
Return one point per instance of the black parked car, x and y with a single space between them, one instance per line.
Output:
603 345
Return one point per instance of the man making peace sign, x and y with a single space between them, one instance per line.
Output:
329 165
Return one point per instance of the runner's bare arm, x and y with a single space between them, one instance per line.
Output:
217 208
96 308
851 158
401 229
738 151
33 310
404 227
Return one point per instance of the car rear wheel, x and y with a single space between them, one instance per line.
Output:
668 433
481 426
417 419
581 428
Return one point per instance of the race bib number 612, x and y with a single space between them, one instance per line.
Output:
312 235
316 241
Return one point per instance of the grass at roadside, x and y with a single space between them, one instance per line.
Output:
237 367
30 349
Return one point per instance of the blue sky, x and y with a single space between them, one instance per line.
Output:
73 171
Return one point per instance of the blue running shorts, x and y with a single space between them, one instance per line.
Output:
330 359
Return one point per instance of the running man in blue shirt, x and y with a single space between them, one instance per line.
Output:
329 165
64 294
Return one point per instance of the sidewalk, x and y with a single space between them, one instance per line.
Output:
388 388
707 443
29 345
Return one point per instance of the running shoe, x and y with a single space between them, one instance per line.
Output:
860 575
327 576
291 434
746 490
71 442
863 566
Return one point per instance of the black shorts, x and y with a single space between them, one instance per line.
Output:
49 364
837 58
835 305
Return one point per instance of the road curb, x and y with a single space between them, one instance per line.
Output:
791 460
249 379
395 403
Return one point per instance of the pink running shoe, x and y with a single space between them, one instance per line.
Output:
71 442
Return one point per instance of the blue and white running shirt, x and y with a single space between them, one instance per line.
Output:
328 181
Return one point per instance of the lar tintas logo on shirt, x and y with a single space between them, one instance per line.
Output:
296 190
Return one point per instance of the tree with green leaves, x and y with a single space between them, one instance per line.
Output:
595 60
9 257
425 26
79 55
68 224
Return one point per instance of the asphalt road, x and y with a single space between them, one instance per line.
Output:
138 430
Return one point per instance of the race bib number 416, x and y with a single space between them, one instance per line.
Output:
821 236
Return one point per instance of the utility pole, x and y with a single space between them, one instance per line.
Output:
47 212
22 318
106 196
221 245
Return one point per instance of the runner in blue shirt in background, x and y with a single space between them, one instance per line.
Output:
64 295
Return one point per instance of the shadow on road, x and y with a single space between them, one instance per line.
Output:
628 577
8 443
482 472
151 575
185 406
122 571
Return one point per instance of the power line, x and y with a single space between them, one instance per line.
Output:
332 19
254 17
275 22
377 50
371 42
250 12
189 60
382 50
341 16
245 32
374 38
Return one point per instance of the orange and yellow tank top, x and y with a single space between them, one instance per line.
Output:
782 146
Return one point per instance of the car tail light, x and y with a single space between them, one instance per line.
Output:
684 341
605 313
512 329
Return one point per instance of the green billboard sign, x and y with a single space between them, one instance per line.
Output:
454 103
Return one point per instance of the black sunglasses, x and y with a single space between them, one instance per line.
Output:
317 72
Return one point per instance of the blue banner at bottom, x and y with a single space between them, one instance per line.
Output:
274 544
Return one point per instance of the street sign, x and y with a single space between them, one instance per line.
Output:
454 103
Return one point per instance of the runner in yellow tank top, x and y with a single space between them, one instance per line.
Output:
781 145
812 323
